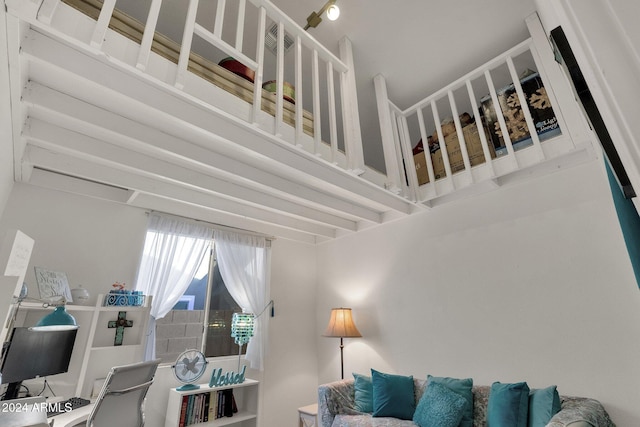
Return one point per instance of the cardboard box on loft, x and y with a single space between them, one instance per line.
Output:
474 150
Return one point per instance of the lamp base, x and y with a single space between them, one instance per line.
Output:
188 387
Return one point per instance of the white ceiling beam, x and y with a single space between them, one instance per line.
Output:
63 141
55 181
118 130
81 168
147 201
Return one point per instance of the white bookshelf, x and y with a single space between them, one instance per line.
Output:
100 353
246 398
94 352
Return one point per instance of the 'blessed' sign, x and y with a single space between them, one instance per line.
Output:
218 379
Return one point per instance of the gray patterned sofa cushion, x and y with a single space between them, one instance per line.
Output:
336 403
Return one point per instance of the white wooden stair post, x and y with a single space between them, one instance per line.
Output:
389 147
351 119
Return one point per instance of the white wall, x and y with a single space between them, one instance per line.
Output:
6 139
603 35
97 243
530 282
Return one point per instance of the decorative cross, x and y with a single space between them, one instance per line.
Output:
120 324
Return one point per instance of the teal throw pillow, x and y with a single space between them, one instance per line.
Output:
393 395
363 393
543 405
439 407
464 388
508 405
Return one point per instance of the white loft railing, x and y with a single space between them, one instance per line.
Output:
402 129
341 146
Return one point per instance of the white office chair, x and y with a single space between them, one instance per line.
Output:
21 413
121 399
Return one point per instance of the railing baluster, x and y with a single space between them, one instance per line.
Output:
298 84
333 131
242 4
399 161
217 25
257 81
280 80
46 11
103 23
443 144
524 106
460 134
147 36
500 116
409 164
185 48
425 146
317 121
480 126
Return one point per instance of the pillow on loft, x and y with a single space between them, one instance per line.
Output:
508 405
439 407
393 395
463 388
363 393
543 405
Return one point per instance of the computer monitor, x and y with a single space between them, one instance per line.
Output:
33 354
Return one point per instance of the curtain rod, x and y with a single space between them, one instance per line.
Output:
215 225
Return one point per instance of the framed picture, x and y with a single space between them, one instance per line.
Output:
52 284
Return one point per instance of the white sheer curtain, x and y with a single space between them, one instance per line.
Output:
243 261
173 250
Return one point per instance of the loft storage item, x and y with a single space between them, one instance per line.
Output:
237 68
33 354
544 119
454 152
227 76
289 92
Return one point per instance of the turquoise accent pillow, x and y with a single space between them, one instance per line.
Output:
363 393
508 405
439 407
463 388
543 405
393 395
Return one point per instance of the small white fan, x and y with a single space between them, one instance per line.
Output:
189 367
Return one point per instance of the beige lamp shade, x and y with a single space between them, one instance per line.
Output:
341 324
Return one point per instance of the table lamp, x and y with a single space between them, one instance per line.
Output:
341 326
242 325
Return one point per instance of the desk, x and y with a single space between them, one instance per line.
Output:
71 418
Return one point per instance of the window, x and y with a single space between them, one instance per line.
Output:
183 326
179 270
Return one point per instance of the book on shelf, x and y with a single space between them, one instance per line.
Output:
207 406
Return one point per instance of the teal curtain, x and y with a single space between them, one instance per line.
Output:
629 222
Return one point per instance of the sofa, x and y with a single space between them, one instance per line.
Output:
336 403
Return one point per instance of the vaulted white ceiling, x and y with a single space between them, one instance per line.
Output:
68 121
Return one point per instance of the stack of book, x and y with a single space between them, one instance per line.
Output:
207 406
